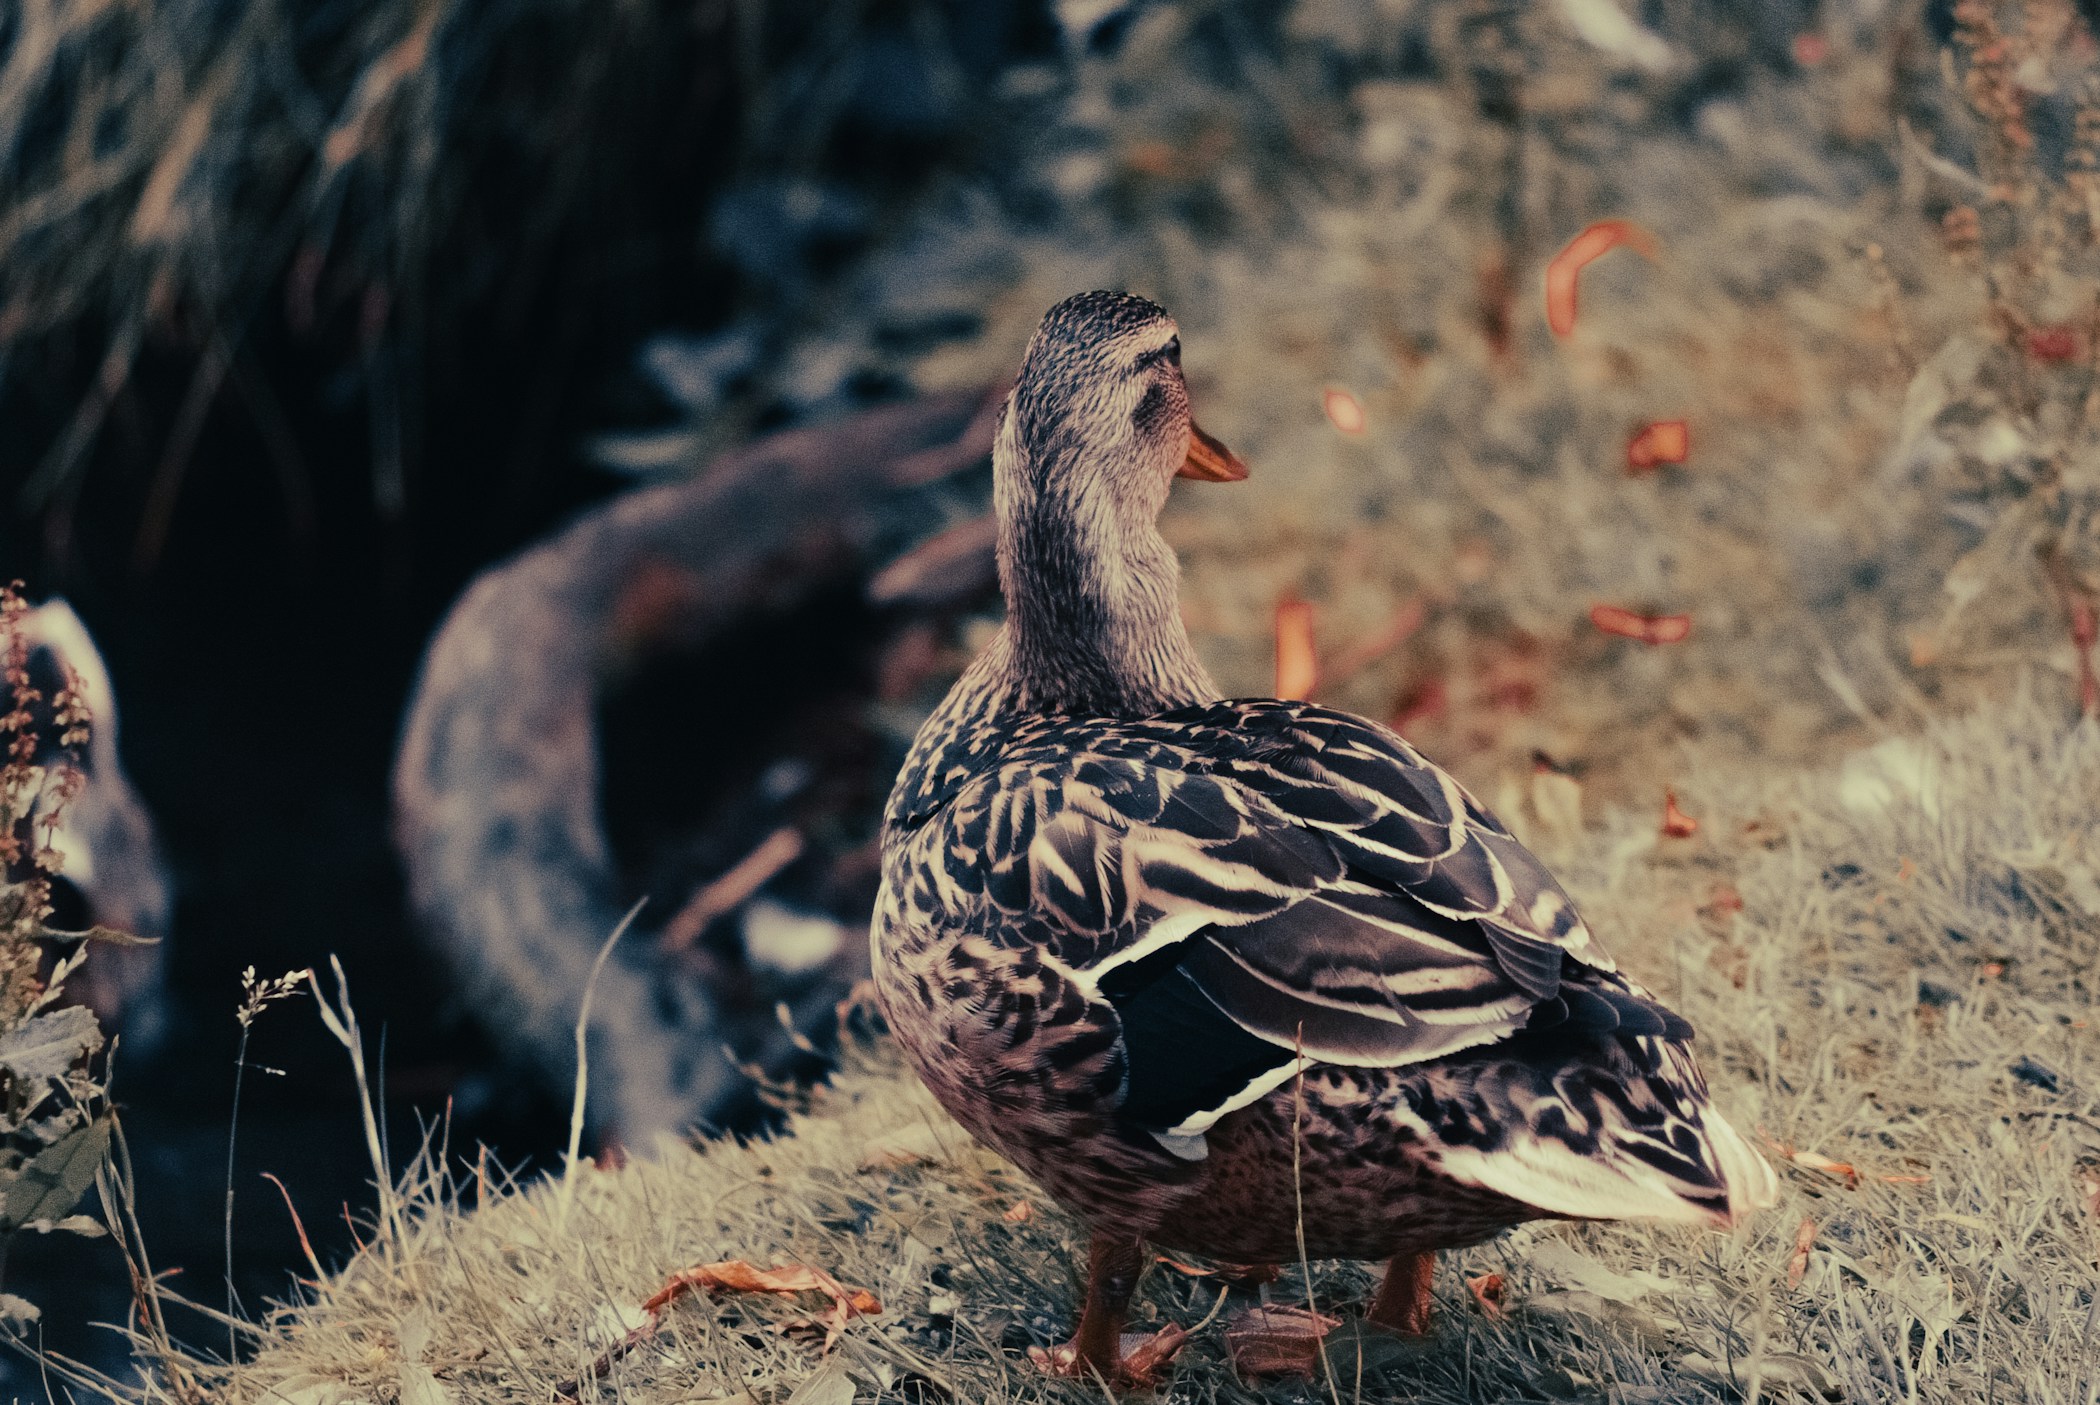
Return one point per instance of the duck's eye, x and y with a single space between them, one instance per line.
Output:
1170 353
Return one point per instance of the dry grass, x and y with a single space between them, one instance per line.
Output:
1863 407
1909 967
1886 923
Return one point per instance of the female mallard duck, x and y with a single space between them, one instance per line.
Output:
1204 968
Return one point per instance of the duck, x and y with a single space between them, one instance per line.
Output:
1250 979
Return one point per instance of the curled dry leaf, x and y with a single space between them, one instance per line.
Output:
1676 824
1797 1263
1584 249
1491 1293
1424 702
1665 441
785 1280
1144 1358
1649 629
1020 1212
1297 664
1403 624
1812 1161
1344 411
1724 901
1277 1341
2052 343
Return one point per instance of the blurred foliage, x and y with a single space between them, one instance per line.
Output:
55 1124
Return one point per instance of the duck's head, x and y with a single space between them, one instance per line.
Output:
1100 410
1096 431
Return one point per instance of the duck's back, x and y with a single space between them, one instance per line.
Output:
1109 943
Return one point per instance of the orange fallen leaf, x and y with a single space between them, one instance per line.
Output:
1277 1341
1991 970
1904 1180
736 1276
785 1280
2052 343
1401 627
1020 1212
1143 1359
1344 411
1810 49
1649 629
1490 1292
1842 1170
1725 900
1809 1160
1797 1265
1665 441
1424 702
2089 1184
1297 663
1581 251
1676 823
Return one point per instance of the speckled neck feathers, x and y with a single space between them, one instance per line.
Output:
1081 468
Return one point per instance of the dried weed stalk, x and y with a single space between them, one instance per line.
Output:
55 1120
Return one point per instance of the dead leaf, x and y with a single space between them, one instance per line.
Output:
1020 1212
1797 1263
1565 1265
419 1386
1724 901
1648 629
1665 441
1779 1368
827 1385
1676 823
1490 1292
1143 1358
1277 1341
785 1280
1812 1161
1403 624
1297 661
1344 411
1424 702
2052 343
1562 274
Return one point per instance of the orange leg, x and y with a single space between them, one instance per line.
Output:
1403 1299
1112 1266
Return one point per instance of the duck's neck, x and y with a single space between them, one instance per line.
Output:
1093 615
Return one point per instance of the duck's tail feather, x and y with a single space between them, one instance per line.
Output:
1622 1132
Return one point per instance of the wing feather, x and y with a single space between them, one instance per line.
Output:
1265 876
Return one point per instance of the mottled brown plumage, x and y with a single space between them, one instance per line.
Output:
1148 943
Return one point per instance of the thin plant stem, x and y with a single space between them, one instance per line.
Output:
567 1192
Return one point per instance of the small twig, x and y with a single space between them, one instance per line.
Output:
729 890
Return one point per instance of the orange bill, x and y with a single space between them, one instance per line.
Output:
1210 460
